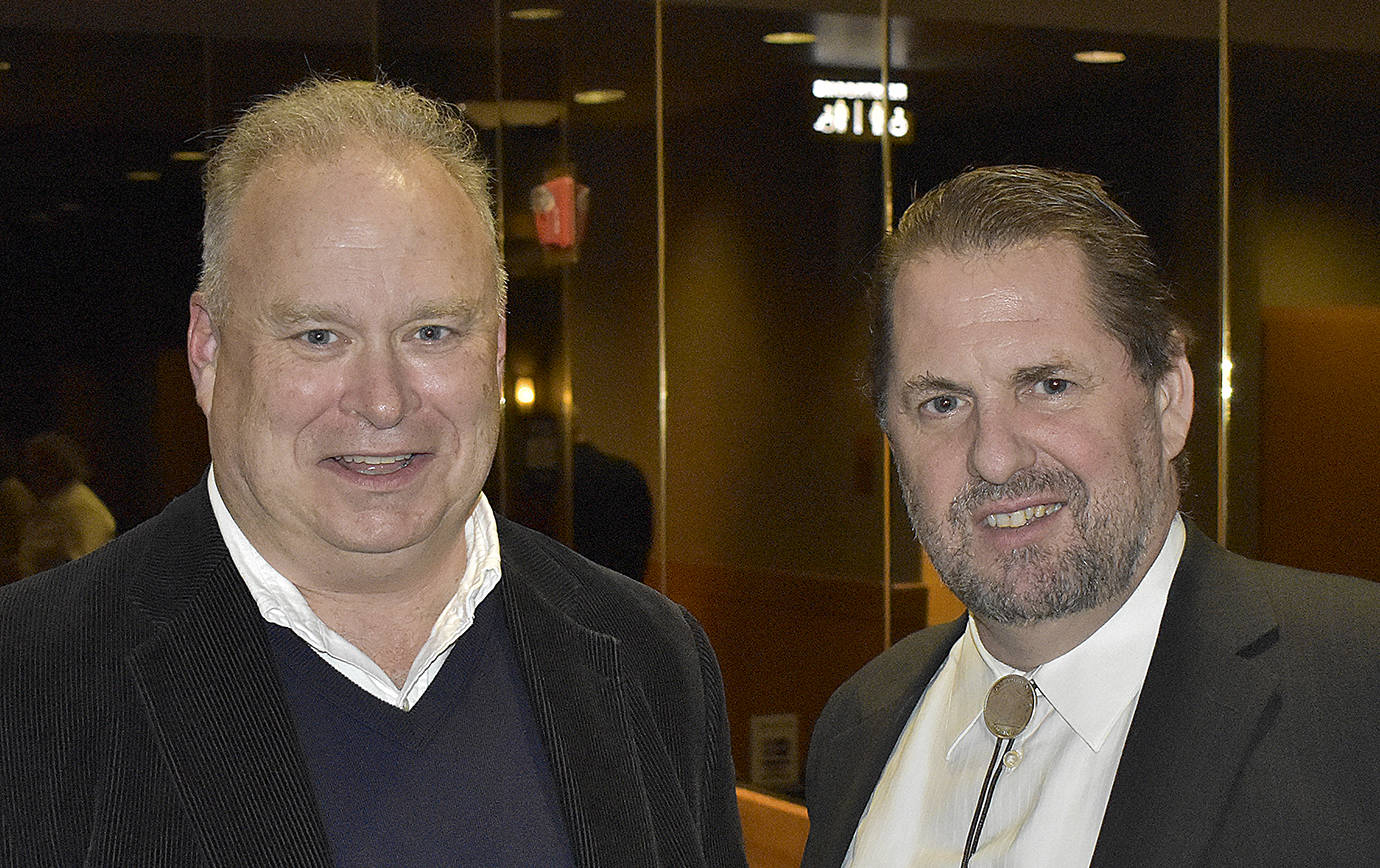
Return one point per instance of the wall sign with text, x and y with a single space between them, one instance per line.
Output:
855 110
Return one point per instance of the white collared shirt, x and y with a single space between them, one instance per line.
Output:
281 603
1050 797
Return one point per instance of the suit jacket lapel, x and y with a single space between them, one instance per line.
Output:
586 711
1206 699
856 755
211 695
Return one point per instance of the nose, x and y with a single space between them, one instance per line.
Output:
1000 445
379 389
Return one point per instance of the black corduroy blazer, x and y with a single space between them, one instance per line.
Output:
142 721
1252 744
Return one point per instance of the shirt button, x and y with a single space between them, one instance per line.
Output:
1011 759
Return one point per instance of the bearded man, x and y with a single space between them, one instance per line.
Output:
1122 692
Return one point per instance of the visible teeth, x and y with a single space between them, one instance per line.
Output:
376 465
1021 517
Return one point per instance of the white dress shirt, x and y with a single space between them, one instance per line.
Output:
1049 800
281 603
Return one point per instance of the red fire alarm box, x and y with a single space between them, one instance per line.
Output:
560 208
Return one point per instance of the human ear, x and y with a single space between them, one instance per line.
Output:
203 343
1174 406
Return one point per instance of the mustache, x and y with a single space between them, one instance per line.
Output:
979 492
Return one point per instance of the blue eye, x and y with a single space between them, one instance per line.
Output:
318 337
1053 386
432 332
941 405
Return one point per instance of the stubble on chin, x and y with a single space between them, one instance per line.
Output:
1036 582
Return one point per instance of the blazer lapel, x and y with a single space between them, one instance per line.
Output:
586 711
1206 700
855 756
210 692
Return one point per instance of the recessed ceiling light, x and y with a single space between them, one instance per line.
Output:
188 156
789 37
4 66
599 96
535 13
143 175
1099 56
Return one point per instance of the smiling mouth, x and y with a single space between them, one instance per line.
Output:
375 465
1022 517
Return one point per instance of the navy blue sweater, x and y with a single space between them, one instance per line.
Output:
461 779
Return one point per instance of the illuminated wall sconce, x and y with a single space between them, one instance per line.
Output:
599 96
524 392
536 13
1099 57
789 37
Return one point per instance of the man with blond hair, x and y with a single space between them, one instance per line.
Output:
331 650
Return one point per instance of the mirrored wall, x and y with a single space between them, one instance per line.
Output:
691 196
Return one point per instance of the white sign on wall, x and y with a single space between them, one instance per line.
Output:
855 109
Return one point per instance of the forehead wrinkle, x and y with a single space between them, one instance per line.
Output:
355 237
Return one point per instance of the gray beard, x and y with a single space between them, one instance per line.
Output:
1036 583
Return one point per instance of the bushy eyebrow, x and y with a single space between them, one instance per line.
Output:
928 384
1033 374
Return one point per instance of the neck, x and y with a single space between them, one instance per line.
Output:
1025 646
384 604
389 626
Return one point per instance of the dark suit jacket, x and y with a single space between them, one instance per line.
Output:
142 721
1254 743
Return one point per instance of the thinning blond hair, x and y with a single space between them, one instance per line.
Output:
315 120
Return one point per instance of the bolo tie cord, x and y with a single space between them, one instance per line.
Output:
989 786
1007 711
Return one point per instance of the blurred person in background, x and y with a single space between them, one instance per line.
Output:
67 520
16 502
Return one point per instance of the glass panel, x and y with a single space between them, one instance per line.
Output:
1305 257
578 177
774 470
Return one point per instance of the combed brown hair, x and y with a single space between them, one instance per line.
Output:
994 208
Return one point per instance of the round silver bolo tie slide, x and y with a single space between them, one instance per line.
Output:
1010 705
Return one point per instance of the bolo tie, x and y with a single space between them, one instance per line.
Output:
1007 712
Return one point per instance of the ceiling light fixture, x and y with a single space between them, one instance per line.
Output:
143 175
789 37
4 66
1099 56
536 13
599 96
188 156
